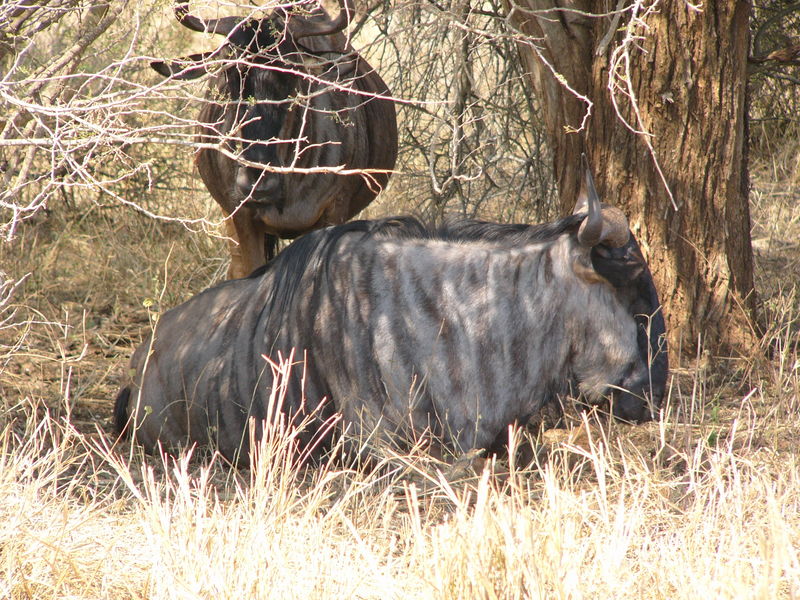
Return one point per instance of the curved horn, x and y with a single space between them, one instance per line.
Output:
223 26
323 24
603 225
592 227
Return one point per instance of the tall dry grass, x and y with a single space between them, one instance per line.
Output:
674 513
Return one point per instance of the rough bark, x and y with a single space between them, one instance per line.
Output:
688 77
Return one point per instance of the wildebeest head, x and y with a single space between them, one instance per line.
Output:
602 252
616 257
265 63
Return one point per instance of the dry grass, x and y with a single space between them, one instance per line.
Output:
703 504
695 519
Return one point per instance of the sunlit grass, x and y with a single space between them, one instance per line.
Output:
651 512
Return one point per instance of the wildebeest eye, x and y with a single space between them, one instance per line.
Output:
620 266
603 251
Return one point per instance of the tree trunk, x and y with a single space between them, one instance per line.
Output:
684 84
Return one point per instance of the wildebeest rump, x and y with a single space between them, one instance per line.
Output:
288 92
461 329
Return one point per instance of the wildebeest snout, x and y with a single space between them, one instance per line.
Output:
633 399
259 185
633 408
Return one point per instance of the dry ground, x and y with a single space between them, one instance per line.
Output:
651 511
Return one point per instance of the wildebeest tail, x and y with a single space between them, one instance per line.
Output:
121 410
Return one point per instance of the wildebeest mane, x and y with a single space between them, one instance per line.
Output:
511 235
309 254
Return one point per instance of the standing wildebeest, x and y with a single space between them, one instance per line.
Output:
292 94
463 329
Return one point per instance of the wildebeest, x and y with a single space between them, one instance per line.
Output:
461 330
291 95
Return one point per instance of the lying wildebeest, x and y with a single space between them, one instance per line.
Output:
461 330
291 94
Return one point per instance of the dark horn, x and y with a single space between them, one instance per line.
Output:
223 26
604 224
323 24
592 227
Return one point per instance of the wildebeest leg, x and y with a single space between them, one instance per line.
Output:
466 465
270 246
248 252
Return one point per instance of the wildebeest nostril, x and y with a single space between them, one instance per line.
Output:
633 408
266 184
242 181
258 184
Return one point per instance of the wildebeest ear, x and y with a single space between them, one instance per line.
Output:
189 67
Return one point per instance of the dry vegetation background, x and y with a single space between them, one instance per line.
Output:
105 223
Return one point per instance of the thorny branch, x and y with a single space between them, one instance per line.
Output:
620 80
97 122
